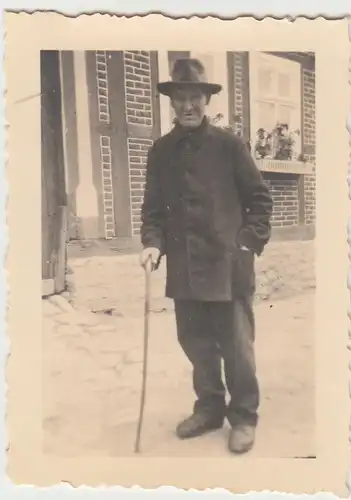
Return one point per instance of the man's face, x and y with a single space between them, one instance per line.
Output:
189 105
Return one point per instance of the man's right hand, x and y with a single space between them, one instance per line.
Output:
151 253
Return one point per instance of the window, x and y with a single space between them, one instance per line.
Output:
275 106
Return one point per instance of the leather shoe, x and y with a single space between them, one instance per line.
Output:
241 438
198 424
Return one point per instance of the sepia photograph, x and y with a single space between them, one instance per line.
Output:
195 172
178 253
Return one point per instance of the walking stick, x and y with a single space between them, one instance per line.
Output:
148 270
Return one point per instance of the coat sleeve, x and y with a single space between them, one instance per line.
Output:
256 199
151 210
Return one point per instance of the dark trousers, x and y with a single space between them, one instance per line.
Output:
210 332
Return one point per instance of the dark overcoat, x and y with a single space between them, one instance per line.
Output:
204 198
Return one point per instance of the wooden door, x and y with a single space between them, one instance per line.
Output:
54 199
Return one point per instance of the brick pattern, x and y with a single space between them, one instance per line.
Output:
137 154
107 190
238 92
138 97
105 143
309 142
285 200
102 86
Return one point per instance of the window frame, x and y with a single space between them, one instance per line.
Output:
279 66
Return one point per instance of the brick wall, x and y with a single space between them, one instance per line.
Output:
284 191
102 81
309 142
107 187
238 92
137 153
138 100
138 87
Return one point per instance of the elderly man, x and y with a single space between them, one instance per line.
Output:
208 210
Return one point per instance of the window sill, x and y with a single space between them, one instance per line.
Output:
285 166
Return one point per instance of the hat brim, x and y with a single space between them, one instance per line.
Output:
166 88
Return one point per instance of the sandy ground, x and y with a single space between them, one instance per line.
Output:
93 362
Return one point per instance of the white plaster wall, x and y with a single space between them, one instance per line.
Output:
86 196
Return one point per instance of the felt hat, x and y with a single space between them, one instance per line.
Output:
188 72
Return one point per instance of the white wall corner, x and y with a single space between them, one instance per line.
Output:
86 195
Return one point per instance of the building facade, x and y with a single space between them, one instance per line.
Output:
112 114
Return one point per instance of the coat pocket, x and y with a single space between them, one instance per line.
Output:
243 273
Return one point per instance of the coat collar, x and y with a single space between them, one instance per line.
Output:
195 136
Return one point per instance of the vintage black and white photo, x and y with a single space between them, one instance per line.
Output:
177 260
204 162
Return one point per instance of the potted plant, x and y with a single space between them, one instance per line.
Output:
277 144
263 145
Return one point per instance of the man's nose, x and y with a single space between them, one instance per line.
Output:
187 105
